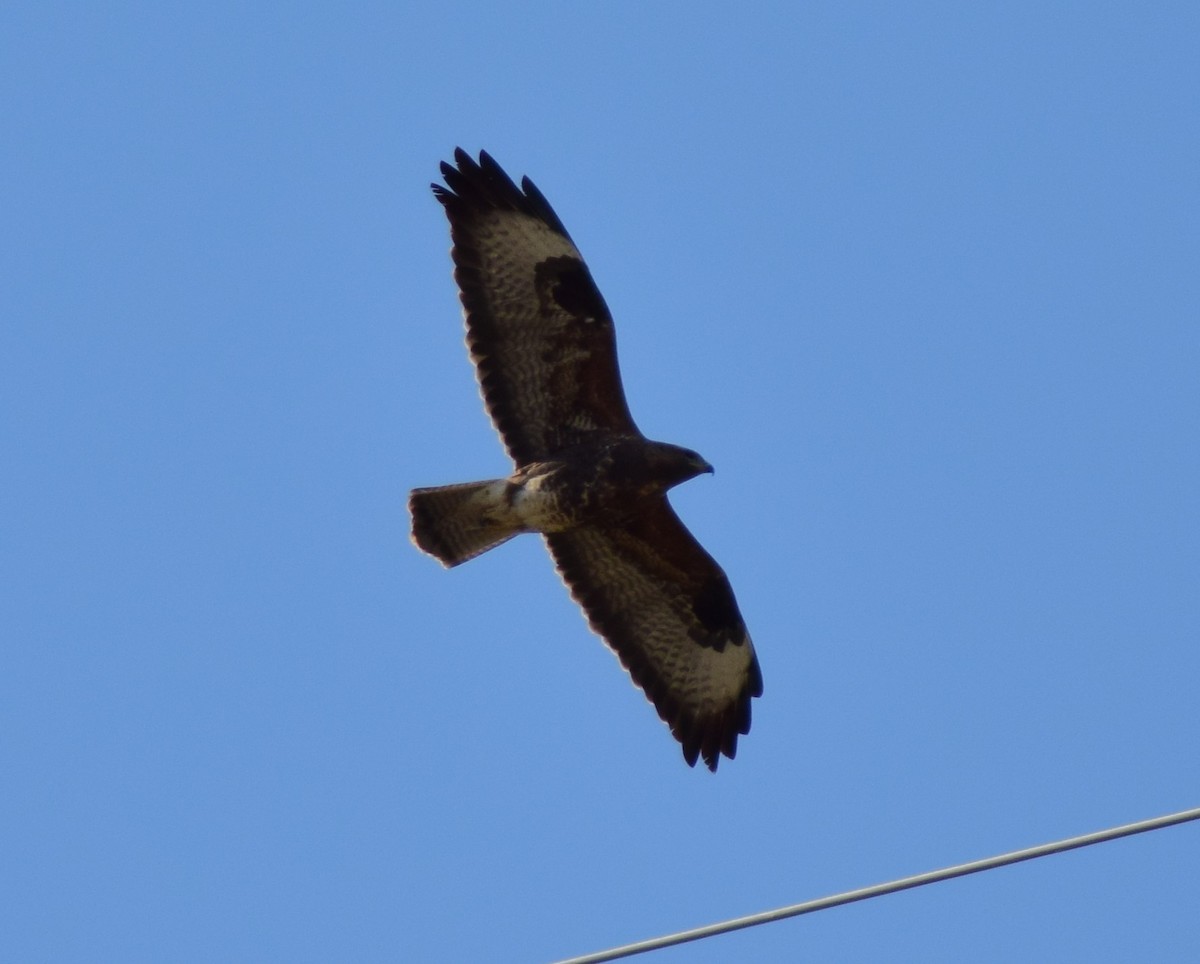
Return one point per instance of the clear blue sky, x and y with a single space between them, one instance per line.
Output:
923 283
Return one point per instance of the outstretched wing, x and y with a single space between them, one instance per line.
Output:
665 607
538 330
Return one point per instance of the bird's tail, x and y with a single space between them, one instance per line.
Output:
455 523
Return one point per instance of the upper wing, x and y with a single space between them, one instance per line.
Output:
538 330
665 607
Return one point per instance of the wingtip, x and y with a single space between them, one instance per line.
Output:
483 184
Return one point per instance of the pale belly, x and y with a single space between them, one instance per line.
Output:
539 508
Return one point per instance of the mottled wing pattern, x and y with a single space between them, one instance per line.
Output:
665 607
538 330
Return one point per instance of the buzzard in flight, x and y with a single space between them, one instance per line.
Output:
544 349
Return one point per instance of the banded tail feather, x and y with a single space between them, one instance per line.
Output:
454 523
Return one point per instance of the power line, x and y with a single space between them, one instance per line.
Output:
878 890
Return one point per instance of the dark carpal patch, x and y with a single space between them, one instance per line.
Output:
717 611
567 282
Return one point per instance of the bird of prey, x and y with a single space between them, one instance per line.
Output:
544 349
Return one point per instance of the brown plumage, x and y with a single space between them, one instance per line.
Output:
544 349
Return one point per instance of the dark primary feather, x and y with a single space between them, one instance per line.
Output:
539 332
484 184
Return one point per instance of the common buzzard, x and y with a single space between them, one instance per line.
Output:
544 349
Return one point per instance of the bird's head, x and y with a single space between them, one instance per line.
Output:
672 464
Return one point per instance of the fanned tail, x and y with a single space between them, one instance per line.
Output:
455 523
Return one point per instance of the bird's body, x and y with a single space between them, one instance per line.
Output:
542 341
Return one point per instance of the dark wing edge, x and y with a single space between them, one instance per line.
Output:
665 607
481 186
538 330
